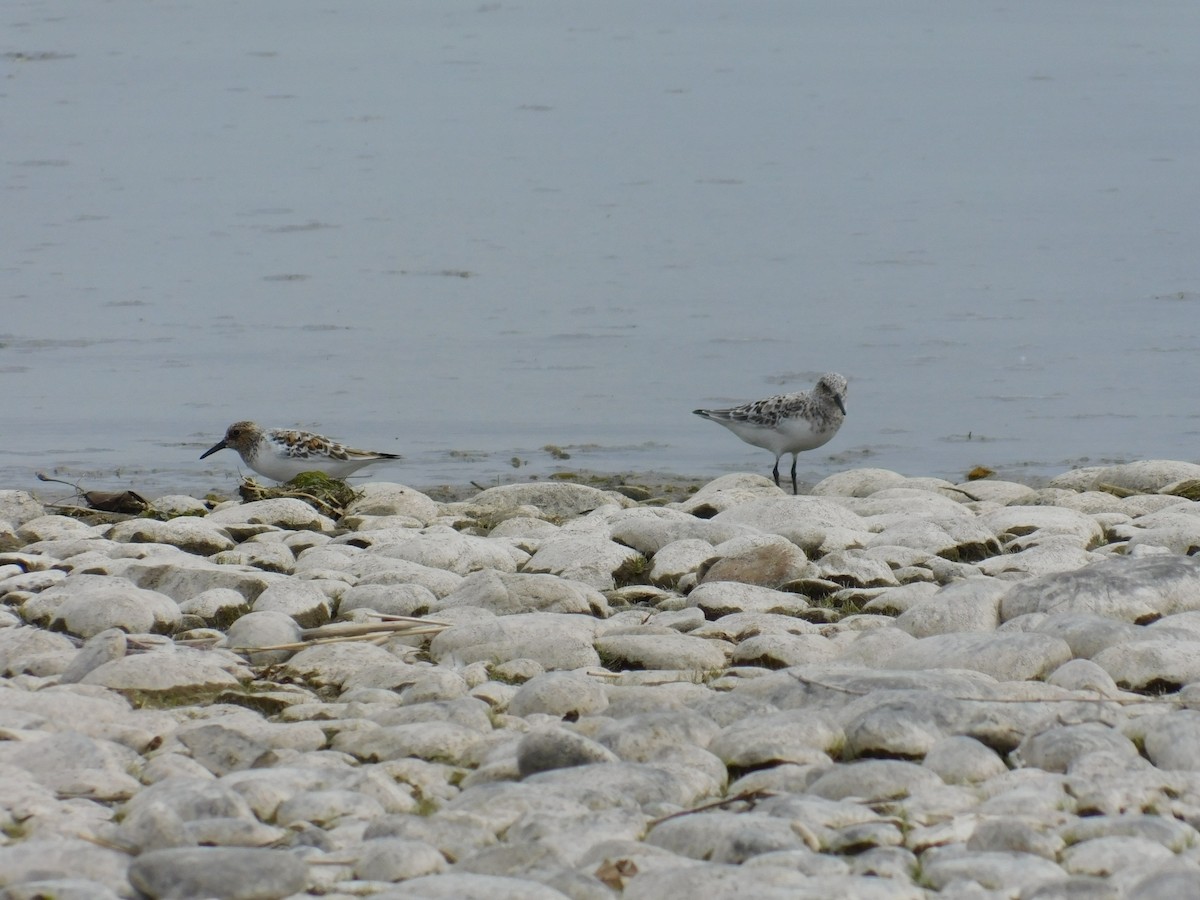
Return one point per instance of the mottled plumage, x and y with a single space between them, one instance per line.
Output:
788 423
282 454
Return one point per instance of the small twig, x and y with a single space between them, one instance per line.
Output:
345 629
315 642
340 632
42 476
1100 698
317 501
107 844
744 797
199 642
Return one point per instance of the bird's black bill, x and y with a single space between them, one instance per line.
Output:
219 445
841 405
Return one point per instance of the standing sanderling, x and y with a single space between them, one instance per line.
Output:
282 454
788 423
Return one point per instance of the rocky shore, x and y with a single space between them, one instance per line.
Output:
889 688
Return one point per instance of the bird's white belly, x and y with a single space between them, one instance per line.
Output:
788 436
285 468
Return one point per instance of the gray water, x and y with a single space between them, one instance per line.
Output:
465 231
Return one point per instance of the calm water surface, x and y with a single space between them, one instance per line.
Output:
465 231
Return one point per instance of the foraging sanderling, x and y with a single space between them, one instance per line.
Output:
282 454
788 423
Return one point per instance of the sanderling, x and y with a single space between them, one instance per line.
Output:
788 423
283 454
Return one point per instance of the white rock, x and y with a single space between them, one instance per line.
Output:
19 507
958 759
1021 521
678 558
1011 657
269 557
445 742
40 859
1171 740
932 538
874 780
1050 554
589 558
727 491
559 694
726 837
814 524
1087 633
1054 749
26 649
505 593
182 576
555 641
993 870
798 736
70 763
682 779
166 674
1130 590
722 598
969 605
736 627
103 647
528 531
382 498
1003 492
1148 475
465 886
885 507
392 859
858 483
388 599
230 872
325 808
350 664
89 604
682 652
219 606
370 568
769 561
555 501
1083 675
52 528
175 505
190 534
1106 855
304 601
1175 529
263 629
282 512
777 651
440 547
545 749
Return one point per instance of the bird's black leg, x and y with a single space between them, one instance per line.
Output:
795 490
775 471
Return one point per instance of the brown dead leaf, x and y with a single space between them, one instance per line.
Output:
613 872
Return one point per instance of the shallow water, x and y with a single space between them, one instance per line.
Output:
463 232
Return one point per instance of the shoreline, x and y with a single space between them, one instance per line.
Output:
638 484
